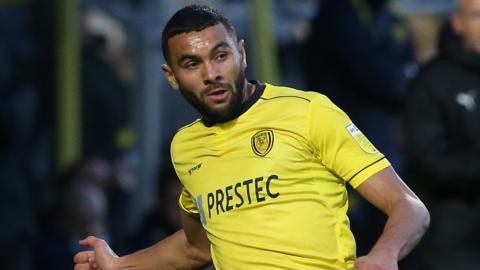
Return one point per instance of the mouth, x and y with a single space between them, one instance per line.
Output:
218 95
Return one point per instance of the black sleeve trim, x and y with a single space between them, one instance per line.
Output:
194 215
365 168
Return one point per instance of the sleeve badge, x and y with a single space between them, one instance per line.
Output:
361 139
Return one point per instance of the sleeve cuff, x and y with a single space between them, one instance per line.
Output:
368 171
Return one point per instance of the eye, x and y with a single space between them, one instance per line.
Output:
191 65
221 56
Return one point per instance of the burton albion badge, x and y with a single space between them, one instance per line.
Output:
262 142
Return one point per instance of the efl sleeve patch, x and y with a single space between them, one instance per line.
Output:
361 139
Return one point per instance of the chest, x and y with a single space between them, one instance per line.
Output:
229 155
247 167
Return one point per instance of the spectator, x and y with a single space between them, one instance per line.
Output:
425 19
19 102
105 110
360 54
82 211
106 78
443 131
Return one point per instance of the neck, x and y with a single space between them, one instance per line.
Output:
250 89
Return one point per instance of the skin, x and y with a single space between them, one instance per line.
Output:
207 68
466 23
188 248
408 219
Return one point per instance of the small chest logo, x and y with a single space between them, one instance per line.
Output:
194 169
262 142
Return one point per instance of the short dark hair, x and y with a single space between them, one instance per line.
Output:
193 18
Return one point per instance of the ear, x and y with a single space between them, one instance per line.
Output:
170 76
243 53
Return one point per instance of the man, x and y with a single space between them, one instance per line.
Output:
443 131
264 171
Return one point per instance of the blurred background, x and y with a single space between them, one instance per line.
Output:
86 115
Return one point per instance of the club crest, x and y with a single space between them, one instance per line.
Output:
262 142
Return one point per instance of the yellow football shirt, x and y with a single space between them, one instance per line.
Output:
269 186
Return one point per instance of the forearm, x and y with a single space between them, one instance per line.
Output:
174 252
406 224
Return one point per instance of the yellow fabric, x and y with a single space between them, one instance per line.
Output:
269 186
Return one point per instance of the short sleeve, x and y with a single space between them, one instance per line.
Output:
187 204
340 145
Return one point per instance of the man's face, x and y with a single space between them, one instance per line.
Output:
208 68
466 23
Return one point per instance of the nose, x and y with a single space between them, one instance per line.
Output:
211 73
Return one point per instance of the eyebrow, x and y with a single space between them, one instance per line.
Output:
222 44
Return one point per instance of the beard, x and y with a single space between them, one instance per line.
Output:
218 115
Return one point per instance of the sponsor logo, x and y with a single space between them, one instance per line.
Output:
247 192
262 142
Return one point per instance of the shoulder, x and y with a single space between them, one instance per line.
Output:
313 101
306 106
186 134
286 93
292 95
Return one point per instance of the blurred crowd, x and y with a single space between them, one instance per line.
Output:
407 73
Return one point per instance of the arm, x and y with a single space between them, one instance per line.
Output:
407 220
186 249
